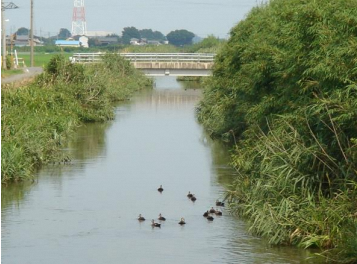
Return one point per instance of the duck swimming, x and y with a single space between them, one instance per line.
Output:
153 224
210 218
218 203
141 218
182 221
206 214
212 211
161 218
218 212
189 195
160 189
193 198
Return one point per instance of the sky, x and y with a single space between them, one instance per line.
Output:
202 17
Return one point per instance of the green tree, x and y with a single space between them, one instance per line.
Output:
180 37
211 44
129 33
22 31
64 33
149 34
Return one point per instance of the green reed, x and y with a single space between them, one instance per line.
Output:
284 95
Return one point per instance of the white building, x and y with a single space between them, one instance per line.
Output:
93 34
84 41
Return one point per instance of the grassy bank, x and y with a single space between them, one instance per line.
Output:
36 119
284 94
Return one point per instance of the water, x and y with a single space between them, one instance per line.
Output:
86 212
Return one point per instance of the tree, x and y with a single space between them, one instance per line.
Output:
64 33
128 33
149 34
210 44
180 37
22 31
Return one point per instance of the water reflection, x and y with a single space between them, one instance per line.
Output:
190 84
86 144
89 142
14 194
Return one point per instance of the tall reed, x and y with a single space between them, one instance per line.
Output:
284 94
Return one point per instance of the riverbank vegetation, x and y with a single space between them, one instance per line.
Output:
211 44
284 93
36 119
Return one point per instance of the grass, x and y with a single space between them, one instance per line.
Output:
41 59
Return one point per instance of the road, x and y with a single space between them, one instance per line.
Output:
29 72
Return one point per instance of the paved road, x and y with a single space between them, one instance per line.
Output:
29 72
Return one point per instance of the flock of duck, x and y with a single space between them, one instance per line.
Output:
208 214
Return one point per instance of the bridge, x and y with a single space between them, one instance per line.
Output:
160 64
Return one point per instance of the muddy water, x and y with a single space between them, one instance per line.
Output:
86 212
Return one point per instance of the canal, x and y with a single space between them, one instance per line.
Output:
86 212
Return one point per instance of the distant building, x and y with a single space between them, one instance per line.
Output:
75 41
23 40
134 41
93 34
84 41
153 42
68 43
105 41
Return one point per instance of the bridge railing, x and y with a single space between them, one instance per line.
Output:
147 57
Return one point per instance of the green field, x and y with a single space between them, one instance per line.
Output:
40 59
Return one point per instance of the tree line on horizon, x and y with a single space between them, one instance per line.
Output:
179 37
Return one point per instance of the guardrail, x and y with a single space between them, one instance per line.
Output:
147 57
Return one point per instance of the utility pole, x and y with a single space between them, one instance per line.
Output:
4 5
31 35
3 36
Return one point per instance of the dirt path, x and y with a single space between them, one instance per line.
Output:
29 73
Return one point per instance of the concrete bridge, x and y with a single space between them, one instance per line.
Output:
160 64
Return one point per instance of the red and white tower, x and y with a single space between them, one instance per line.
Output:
79 24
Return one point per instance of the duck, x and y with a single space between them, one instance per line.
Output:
210 218
182 221
161 218
218 212
141 218
212 211
193 198
160 189
153 224
189 195
206 214
219 203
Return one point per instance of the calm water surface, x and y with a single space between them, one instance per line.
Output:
86 212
